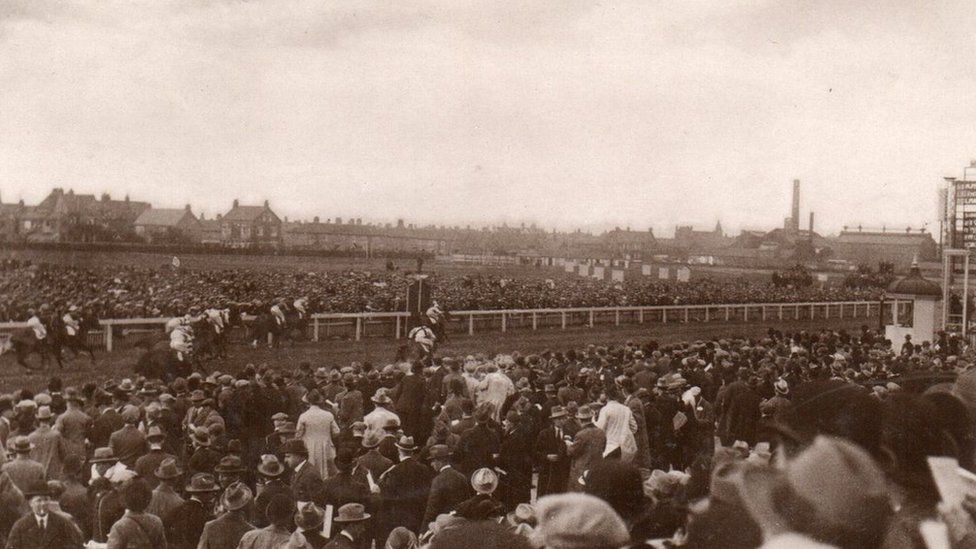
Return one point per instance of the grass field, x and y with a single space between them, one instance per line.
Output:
382 350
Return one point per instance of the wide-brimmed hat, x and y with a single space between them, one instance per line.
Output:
155 433
352 512
549 388
406 444
381 397
310 517
229 464
671 381
484 481
781 387
439 451
391 423
36 488
371 440
197 396
200 436
103 455
270 466
168 469
584 412
72 394
295 447
236 496
44 413
558 412
279 417
126 386
22 445
202 482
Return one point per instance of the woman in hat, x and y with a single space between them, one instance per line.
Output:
317 427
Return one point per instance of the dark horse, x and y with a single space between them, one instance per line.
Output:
78 342
162 362
24 343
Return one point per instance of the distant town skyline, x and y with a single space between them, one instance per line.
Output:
564 114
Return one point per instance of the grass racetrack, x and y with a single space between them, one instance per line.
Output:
381 350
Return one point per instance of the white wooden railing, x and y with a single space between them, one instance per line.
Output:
393 324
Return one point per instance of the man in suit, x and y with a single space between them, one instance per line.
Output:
23 470
343 487
449 488
146 465
479 444
586 449
41 529
107 422
372 461
136 527
226 531
309 521
164 496
404 490
74 424
184 525
515 459
306 483
550 456
272 473
353 520
128 443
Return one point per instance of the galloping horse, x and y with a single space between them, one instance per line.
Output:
78 342
24 343
423 343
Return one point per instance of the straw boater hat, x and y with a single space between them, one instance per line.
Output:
484 481
22 445
558 412
103 455
584 412
781 387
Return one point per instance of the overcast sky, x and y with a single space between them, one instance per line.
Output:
565 113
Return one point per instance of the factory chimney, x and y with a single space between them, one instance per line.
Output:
796 206
811 223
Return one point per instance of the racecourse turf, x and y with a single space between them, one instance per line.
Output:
381 350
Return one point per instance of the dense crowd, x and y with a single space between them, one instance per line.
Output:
129 292
791 440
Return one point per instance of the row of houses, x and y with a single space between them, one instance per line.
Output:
66 216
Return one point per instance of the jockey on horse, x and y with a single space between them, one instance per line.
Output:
35 338
438 320
424 341
76 331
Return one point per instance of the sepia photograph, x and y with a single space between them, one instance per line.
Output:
456 274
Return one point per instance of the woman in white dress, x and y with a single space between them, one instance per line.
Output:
316 428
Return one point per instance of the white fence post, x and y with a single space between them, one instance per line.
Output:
471 324
108 337
315 329
591 318
359 327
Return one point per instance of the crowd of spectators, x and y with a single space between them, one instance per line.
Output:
129 292
793 440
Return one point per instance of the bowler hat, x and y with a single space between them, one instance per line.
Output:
44 413
558 412
37 488
296 447
381 397
371 440
155 433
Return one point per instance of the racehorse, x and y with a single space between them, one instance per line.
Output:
265 328
423 342
24 343
78 342
161 362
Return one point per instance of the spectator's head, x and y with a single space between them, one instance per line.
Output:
136 495
280 510
578 521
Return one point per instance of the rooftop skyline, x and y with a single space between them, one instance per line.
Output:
564 114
